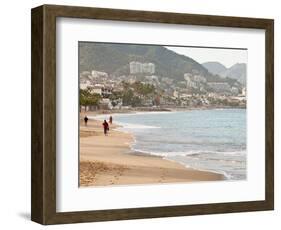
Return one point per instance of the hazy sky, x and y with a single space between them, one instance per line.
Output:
227 57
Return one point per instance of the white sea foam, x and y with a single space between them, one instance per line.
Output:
189 153
225 163
171 156
106 116
225 174
154 112
135 126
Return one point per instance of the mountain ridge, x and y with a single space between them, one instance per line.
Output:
115 58
238 71
214 67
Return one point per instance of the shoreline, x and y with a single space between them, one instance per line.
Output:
109 160
143 110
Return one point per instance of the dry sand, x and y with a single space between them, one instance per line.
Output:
108 160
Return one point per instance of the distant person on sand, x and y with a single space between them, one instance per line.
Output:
86 120
110 119
105 127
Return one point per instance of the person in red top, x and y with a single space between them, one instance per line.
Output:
105 127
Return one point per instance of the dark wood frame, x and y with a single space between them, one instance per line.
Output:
43 160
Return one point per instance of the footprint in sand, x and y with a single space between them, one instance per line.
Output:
116 178
163 175
119 173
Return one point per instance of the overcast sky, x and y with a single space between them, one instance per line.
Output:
227 57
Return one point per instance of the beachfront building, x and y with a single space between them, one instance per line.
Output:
185 96
100 89
97 88
147 102
105 103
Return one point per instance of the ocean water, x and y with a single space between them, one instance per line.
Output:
211 140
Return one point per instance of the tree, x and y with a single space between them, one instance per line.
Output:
87 98
127 97
157 100
126 85
115 95
135 101
143 89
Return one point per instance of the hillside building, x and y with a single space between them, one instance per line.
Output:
138 67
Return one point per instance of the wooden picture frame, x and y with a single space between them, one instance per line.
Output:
43 188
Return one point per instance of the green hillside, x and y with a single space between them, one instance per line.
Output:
115 58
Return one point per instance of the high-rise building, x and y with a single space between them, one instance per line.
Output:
151 67
138 67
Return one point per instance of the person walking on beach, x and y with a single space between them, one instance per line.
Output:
110 119
105 127
86 120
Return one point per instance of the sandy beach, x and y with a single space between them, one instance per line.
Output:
108 160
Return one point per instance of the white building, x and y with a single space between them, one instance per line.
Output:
185 96
98 74
192 84
84 84
199 78
167 80
97 90
105 103
244 91
193 81
219 86
85 74
148 68
234 90
176 94
138 67
187 76
100 89
135 67
152 78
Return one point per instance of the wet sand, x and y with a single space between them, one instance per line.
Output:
109 160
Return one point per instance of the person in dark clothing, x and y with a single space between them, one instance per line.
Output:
86 120
105 127
110 119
